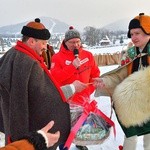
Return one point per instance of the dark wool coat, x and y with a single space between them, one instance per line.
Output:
29 98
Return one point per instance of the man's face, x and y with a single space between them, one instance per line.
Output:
139 38
39 46
73 43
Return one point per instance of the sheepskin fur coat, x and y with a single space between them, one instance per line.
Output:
131 100
130 91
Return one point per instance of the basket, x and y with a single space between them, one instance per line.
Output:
95 130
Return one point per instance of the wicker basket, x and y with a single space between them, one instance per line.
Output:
95 130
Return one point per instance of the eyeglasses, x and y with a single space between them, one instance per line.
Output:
74 42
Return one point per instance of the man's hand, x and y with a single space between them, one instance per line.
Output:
79 86
76 62
98 83
52 138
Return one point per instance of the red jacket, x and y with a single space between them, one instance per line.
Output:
65 73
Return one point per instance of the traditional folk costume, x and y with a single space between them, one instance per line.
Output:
129 87
29 96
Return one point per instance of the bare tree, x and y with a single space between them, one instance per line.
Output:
91 36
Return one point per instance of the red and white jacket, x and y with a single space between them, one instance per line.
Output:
64 72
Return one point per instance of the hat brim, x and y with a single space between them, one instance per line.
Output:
43 34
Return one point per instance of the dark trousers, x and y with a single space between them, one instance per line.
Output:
61 147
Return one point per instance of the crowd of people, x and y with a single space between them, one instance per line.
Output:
36 86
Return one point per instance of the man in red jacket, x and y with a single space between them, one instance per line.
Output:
72 63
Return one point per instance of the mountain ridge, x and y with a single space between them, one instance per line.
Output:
57 26
121 24
53 25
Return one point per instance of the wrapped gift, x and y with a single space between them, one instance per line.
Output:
93 131
90 126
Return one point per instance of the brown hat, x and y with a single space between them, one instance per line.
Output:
71 34
141 21
36 30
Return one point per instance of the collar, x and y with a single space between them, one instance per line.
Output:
20 46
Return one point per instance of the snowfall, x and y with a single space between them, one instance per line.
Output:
104 104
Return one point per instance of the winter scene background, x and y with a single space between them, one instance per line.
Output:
104 104
104 21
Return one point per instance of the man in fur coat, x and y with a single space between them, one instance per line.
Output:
29 95
129 85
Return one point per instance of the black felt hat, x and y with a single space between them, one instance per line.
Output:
36 30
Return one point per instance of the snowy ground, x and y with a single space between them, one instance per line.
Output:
110 143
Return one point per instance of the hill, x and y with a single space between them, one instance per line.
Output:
118 25
54 25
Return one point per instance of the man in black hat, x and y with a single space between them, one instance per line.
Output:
29 96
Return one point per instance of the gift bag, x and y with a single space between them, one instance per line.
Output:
90 126
94 130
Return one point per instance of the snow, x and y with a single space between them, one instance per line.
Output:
111 143
105 50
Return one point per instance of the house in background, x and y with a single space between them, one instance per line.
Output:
105 41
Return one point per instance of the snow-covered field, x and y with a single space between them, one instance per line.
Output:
110 143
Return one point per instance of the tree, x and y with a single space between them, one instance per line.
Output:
121 40
91 36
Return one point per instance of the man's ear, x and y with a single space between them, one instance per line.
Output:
31 41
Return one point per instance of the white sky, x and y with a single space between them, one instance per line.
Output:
79 13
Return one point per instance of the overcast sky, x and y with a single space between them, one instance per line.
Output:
79 13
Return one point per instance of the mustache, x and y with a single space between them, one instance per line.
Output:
43 49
